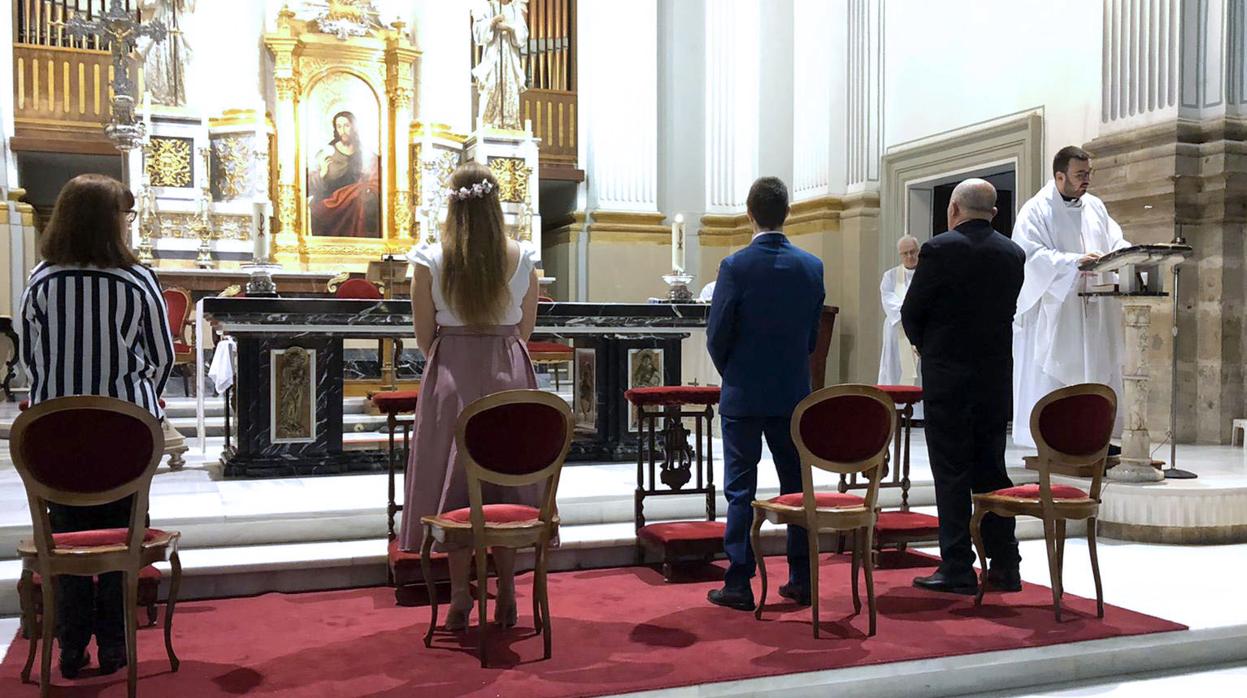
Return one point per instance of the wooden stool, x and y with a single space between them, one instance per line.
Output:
679 544
897 528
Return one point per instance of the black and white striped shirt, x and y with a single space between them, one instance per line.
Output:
91 331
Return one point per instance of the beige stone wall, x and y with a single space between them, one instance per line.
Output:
1193 174
627 256
560 258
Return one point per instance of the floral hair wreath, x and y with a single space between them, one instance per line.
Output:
476 191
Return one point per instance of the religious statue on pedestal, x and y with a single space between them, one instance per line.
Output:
164 62
500 28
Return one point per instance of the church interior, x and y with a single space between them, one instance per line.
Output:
286 156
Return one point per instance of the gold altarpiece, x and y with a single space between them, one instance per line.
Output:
320 79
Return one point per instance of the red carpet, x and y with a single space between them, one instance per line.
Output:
615 630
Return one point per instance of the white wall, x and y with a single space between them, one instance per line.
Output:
953 63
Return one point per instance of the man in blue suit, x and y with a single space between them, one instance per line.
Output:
762 329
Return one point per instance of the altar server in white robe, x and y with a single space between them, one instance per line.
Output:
898 364
1059 337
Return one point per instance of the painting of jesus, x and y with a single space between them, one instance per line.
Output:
343 170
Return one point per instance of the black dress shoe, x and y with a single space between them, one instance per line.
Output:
72 662
798 593
739 600
1001 578
1114 450
112 659
952 584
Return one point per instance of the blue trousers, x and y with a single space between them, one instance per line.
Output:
742 449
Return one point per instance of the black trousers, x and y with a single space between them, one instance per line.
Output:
86 606
967 415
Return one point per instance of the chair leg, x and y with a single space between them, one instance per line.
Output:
49 624
1095 568
1049 534
132 622
426 570
812 541
976 535
30 623
854 565
175 586
1060 556
868 546
186 384
755 541
482 588
538 621
546 637
840 540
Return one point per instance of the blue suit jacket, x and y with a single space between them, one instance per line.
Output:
763 325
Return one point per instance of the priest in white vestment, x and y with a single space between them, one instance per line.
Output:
1059 337
898 363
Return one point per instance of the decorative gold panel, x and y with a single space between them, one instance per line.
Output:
512 175
224 226
294 395
170 163
233 166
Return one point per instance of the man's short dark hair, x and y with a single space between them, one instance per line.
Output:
1060 163
768 202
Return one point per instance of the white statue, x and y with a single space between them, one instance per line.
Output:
500 28
164 63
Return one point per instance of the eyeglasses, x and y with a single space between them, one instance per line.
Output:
1081 176
131 215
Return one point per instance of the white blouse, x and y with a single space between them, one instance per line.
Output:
430 256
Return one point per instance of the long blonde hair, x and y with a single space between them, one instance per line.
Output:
474 250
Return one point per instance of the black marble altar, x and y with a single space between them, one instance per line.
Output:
262 325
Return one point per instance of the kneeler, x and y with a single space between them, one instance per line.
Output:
668 465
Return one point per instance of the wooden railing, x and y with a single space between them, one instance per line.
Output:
553 114
41 22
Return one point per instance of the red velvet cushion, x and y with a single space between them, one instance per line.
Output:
361 289
182 348
846 428
674 395
86 450
395 401
1031 491
903 394
99 537
179 305
906 522
683 531
495 514
405 566
1078 425
549 348
822 500
516 438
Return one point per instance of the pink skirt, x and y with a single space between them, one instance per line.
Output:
465 364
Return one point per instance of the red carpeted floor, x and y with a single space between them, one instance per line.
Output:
615 630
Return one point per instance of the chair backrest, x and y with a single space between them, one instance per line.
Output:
844 429
362 289
1073 426
111 452
178 301
515 438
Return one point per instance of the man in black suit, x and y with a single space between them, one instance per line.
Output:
958 314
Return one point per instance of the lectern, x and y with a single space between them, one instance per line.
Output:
1140 275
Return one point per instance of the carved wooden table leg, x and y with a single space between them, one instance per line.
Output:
1136 443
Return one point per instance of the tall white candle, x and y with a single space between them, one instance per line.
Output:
677 244
258 237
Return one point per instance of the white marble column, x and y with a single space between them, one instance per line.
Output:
732 104
1236 57
444 89
865 95
618 98
814 66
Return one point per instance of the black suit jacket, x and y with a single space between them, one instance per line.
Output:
958 312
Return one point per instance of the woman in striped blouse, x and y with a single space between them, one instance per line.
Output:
94 323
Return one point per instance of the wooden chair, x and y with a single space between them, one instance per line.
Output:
673 463
512 438
343 286
842 429
112 455
178 302
1072 426
553 354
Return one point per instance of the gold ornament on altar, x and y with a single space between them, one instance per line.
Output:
233 176
512 175
168 162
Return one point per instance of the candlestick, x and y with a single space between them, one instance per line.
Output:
258 238
677 244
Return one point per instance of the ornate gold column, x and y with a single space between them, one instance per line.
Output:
400 59
282 44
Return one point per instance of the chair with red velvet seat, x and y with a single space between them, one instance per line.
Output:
114 454
178 303
1071 426
554 354
678 544
898 527
842 429
513 438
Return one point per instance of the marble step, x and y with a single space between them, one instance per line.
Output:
215 425
241 570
